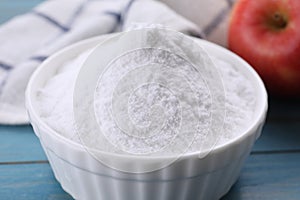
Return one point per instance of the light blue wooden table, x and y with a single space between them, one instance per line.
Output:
272 172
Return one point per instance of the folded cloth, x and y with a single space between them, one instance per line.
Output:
154 12
29 39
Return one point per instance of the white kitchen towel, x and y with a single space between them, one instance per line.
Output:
151 12
27 40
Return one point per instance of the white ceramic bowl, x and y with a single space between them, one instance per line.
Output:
84 177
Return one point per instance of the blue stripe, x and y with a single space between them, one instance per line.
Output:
125 11
5 66
230 3
128 7
77 13
39 58
50 20
216 21
114 14
3 82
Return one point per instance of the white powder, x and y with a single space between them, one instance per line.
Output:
151 115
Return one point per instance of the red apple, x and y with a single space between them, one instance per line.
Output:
266 33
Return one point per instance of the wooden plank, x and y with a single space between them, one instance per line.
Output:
279 136
29 182
268 177
9 8
19 143
284 109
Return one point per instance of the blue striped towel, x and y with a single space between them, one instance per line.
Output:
29 39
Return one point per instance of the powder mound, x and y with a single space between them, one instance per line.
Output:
150 101
56 102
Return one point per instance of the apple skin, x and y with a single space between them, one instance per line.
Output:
266 33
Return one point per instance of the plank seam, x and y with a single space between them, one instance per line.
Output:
290 151
24 162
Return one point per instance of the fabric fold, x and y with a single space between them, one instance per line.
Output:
27 40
